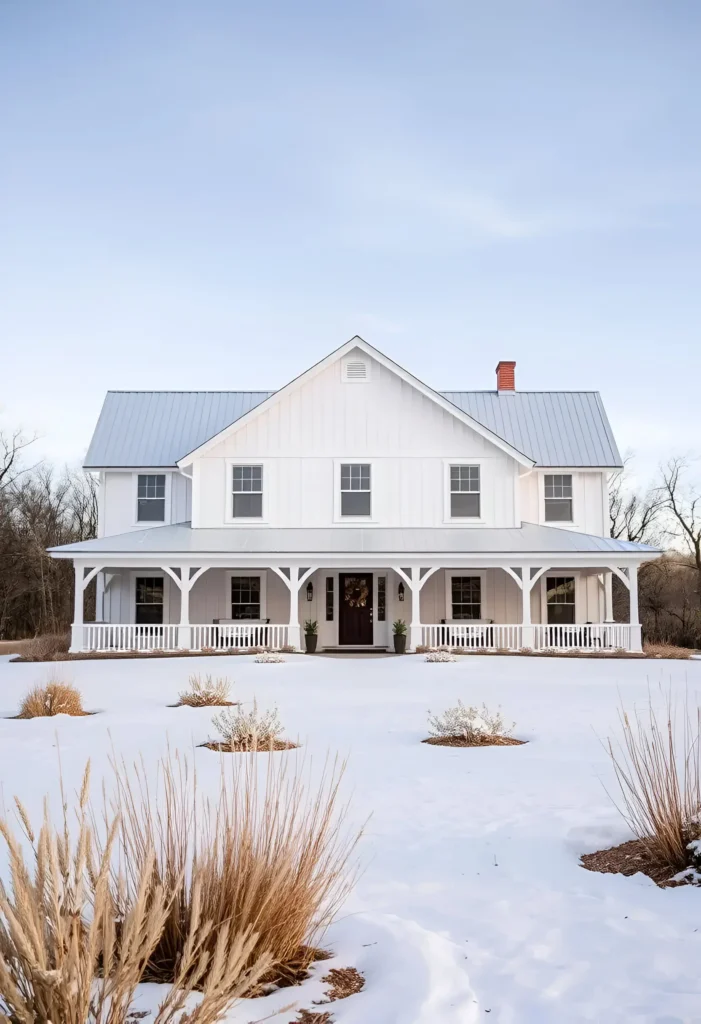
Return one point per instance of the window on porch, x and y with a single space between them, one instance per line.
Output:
466 597
560 597
245 597
149 600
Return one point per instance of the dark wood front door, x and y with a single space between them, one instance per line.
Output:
355 609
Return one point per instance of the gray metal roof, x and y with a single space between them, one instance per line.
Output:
181 538
157 428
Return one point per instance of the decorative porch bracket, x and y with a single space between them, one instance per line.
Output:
525 581
415 581
294 582
629 579
184 582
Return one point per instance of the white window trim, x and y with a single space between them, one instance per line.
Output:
262 576
577 500
167 507
229 519
579 596
150 574
449 574
353 520
463 520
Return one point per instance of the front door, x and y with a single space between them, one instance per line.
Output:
355 609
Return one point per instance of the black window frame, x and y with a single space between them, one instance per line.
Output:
236 581
330 598
462 602
558 592
141 600
381 598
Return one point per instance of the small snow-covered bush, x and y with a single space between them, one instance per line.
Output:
54 698
248 730
205 692
288 649
440 655
469 723
269 658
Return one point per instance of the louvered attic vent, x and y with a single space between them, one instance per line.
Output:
355 370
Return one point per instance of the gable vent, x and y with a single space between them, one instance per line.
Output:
355 370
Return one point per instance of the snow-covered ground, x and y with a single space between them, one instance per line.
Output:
471 905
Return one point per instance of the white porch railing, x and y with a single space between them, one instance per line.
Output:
591 637
98 636
129 637
488 636
507 637
239 635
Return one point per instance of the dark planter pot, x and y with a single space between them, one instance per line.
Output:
310 640
399 643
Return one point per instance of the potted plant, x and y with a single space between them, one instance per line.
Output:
399 632
311 628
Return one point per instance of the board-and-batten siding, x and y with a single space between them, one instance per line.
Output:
405 436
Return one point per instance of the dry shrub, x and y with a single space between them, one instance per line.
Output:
50 647
65 955
269 856
53 698
206 692
250 730
668 651
658 769
469 723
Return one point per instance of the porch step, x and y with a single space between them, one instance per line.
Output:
354 650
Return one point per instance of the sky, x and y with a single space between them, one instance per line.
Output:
212 194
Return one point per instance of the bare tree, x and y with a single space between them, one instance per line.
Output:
11 448
683 503
635 516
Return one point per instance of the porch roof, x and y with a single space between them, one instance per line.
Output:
181 539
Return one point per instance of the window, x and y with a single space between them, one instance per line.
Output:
355 489
558 498
149 600
245 597
329 598
464 492
151 498
381 598
248 492
466 597
560 597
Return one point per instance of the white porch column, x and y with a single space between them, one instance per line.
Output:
415 581
608 597
636 633
78 594
184 582
527 631
294 583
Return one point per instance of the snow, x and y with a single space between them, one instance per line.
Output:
471 905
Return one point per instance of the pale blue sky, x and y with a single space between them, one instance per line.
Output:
216 194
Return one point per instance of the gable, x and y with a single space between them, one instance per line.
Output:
333 415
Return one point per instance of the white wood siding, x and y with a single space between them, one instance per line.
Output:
404 435
118 501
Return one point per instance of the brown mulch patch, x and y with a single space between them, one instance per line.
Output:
629 858
487 741
127 655
219 704
344 982
70 714
245 748
309 1017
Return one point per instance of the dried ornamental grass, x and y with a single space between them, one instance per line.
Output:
657 762
49 647
53 698
470 724
206 692
241 730
269 856
65 955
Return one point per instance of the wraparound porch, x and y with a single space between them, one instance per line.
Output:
481 605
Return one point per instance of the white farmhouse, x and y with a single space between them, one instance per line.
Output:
354 496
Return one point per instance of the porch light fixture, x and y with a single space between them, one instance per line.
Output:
400 591
310 591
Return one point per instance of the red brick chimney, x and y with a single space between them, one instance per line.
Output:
506 375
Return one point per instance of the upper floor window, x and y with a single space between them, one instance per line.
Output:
558 497
151 498
248 492
464 492
355 489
